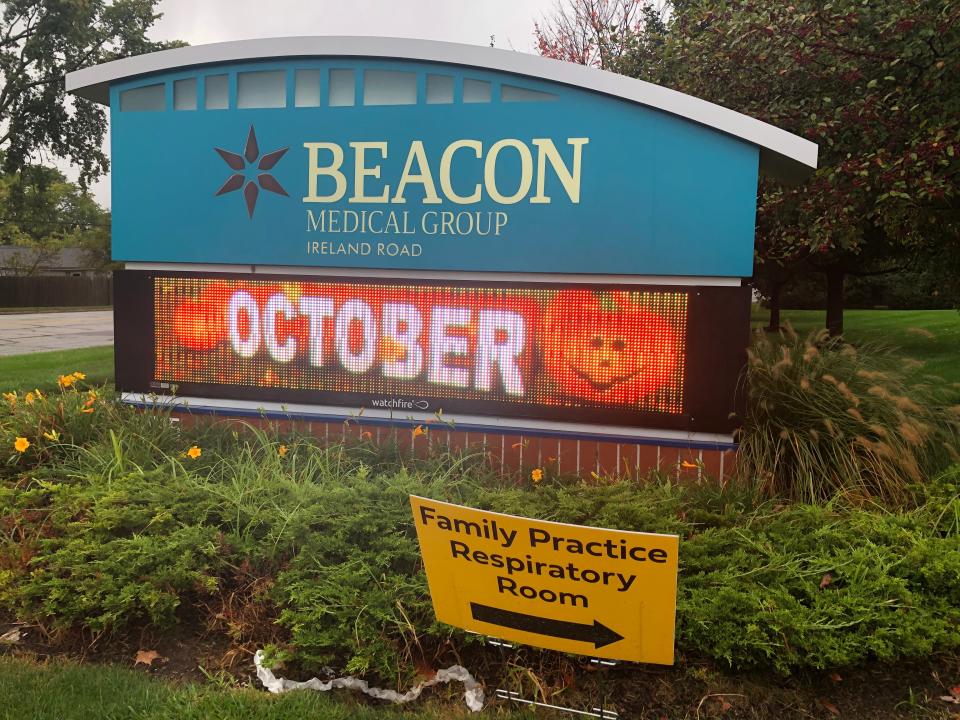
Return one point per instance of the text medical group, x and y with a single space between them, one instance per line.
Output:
430 222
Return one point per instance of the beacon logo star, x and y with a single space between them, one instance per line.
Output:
251 174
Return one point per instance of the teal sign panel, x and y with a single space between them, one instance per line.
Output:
416 166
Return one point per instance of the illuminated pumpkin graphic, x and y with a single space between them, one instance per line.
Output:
607 347
200 323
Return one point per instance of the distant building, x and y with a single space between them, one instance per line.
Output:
70 262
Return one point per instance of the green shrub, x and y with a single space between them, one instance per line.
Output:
825 417
128 529
355 592
809 587
109 585
802 586
106 553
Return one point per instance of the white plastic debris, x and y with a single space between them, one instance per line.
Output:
472 695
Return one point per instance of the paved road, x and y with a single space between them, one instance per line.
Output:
38 332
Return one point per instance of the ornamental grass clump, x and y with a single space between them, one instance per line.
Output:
827 418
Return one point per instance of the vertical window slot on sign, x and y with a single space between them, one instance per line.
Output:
216 95
342 90
150 98
306 88
389 87
512 93
262 89
476 91
185 94
439 89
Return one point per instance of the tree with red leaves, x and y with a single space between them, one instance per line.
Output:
592 32
876 85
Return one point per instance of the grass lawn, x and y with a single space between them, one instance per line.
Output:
65 691
929 335
40 370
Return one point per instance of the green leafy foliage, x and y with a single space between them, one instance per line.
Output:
875 84
128 528
41 212
101 586
812 587
40 42
911 289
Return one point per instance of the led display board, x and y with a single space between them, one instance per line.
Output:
639 356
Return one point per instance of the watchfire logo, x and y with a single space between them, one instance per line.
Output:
251 172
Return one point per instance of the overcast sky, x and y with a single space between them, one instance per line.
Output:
466 21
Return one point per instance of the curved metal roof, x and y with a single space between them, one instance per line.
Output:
783 155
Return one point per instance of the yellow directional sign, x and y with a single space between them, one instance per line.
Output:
592 591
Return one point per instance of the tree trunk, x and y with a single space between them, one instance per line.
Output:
774 324
835 278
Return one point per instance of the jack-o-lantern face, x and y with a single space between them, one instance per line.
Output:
607 348
606 359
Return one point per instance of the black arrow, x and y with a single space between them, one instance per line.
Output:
597 633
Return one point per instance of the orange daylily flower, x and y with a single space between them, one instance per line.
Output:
10 397
194 452
282 451
65 381
79 376
688 464
21 444
418 431
536 475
